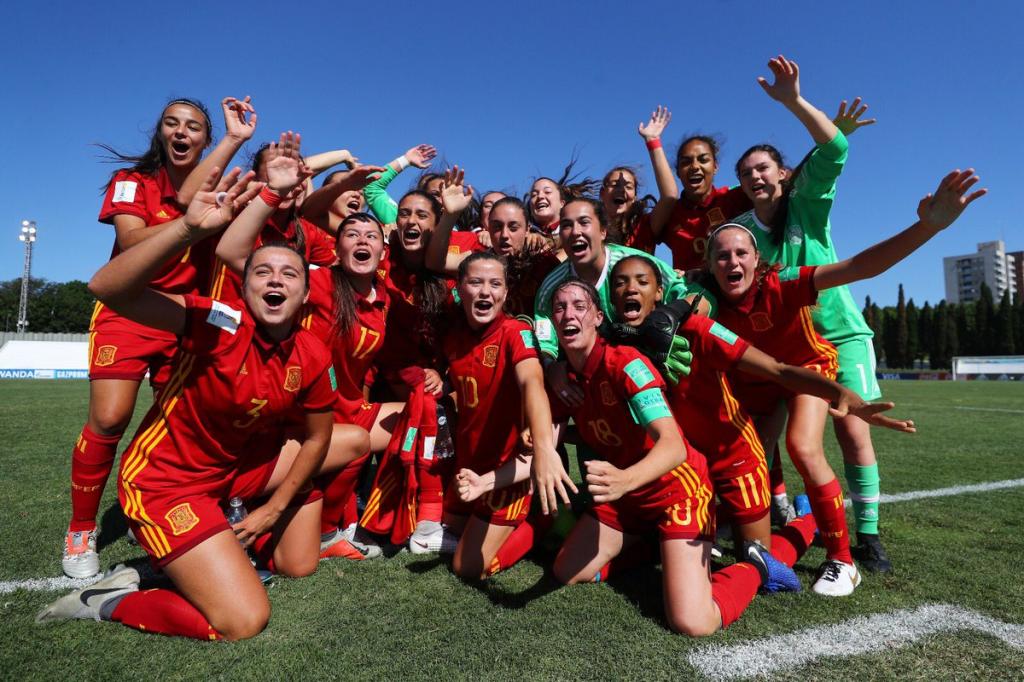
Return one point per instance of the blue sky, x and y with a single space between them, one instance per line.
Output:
507 91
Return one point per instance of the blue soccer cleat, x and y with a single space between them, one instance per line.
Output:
802 505
775 575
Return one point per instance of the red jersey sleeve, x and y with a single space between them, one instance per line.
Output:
125 196
796 284
717 347
319 245
319 394
521 344
210 325
464 242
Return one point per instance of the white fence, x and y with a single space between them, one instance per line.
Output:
992 367
21 359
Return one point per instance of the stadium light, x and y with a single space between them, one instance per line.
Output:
28 237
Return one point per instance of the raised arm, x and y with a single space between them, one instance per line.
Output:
842 400
122 284
318 163
382 205
285 174
668 191
455 198
238 130
935 213
786 91
849 120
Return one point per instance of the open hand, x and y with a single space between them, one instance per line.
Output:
455 197
848 120
786 88
421 155
656 124
235 122
213 207
941 209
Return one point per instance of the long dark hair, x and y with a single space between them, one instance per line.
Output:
154 158
277 245
299 241
778 222
519 264
344 292
711 141
570 186
621 228
432 288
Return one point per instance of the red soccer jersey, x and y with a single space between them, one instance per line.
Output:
715 349
352 353
641 237
318 250
690 224
464 242
231 393
618 382
481 366
523 286
775 316
153 199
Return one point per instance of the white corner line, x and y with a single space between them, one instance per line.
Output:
860 635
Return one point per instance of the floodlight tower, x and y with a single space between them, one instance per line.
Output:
28 236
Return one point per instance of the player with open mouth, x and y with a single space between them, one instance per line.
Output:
241 376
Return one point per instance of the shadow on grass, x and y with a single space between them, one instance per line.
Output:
428 564
113 527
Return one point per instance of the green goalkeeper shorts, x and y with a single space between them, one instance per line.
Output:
857 367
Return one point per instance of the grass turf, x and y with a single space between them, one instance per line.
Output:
409 616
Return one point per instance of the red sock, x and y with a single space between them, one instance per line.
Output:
733 588
775 473
165 612
91 462
791 541
520 542
263 550
431 477
830 514
641 553
340 492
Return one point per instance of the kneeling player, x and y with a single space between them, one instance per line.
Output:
649 480
494 366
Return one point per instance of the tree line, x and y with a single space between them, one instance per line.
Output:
906 334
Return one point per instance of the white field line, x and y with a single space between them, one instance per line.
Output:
63 583
1005 410
860 635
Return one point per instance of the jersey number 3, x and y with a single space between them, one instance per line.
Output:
254 414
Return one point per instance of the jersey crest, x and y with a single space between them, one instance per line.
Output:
760 322
607 395
105 355
182 519
293 379
716 217
490 356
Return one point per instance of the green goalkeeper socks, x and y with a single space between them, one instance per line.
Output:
864 490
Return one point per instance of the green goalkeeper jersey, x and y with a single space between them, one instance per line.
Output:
808 238
674 288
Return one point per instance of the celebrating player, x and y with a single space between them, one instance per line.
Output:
645 477
240 377
494 366
139 203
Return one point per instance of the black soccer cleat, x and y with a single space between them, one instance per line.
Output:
870 554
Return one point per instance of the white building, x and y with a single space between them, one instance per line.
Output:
991 265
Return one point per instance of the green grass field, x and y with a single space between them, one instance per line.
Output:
409 617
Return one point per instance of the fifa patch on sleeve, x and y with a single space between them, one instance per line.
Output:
225 317
527 338
723 333
543 328
410 439
124 191
638 372
646 406
333 377
789 274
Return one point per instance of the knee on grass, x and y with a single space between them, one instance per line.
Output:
244 622
293 567
691 624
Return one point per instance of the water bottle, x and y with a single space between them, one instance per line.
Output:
443 446
236 512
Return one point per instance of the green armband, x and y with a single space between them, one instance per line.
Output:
646 406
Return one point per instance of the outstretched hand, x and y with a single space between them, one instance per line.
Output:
214 206
940 210
284 165
455 196
851 403
849 120
355 179
786 88
421 155
656 125
235 122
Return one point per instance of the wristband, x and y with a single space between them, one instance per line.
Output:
654 144
270 197
403 163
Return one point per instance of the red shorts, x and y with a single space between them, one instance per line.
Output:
508 506
118 351
737 465
680 505
365 416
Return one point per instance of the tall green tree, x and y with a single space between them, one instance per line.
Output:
984 322
52 306
938 349
902 333
925 323
1005 343
913 346
873 318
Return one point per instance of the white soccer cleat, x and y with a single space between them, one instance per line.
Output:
80 558
836 579
88 602
432 537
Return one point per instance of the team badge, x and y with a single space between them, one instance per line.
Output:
293 380
490 356
162 214
105 355
761 322
454 249
607 396
716 217
182 519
